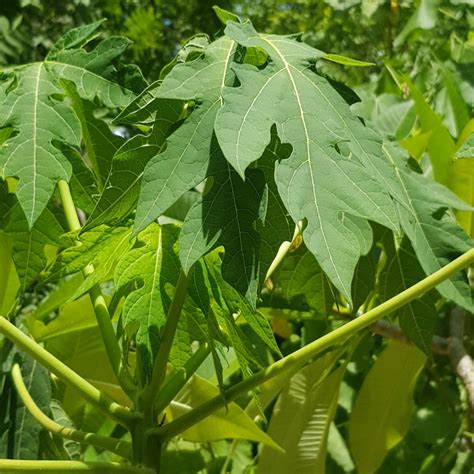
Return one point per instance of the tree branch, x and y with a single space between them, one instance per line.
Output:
462 362
439 345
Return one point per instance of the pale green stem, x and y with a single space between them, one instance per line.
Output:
119 413
306 353
69 467
179 378
122 448
100 307
172 318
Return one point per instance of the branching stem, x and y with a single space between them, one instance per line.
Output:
306 353
117 412
69 467
161 362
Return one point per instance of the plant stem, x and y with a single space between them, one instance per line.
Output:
161 361
69 467
316 347
122 448
104 321
119 413
178 379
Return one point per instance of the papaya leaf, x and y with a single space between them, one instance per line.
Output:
433 233
154 266
184 163
39 120
226 216
9 280
99 142
401 271
120 193
316 182
34 107
275 224
29 244
100 247
26 430
302 277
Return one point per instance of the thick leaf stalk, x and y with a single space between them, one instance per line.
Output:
117 446
91 394
98 302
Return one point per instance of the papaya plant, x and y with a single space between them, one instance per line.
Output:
158 241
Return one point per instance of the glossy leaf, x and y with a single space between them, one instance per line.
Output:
230 422
301 419
29 245
101 248
382 411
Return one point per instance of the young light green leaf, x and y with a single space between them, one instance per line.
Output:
382 410
439 144
74 337
184 163
336 58
100 247
301 419
467 148
9 281
316 182
457 105
228 422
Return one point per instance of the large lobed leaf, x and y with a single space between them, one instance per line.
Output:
316 182
185 161
42 121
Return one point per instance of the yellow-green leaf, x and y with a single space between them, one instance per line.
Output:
382 411
230 422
